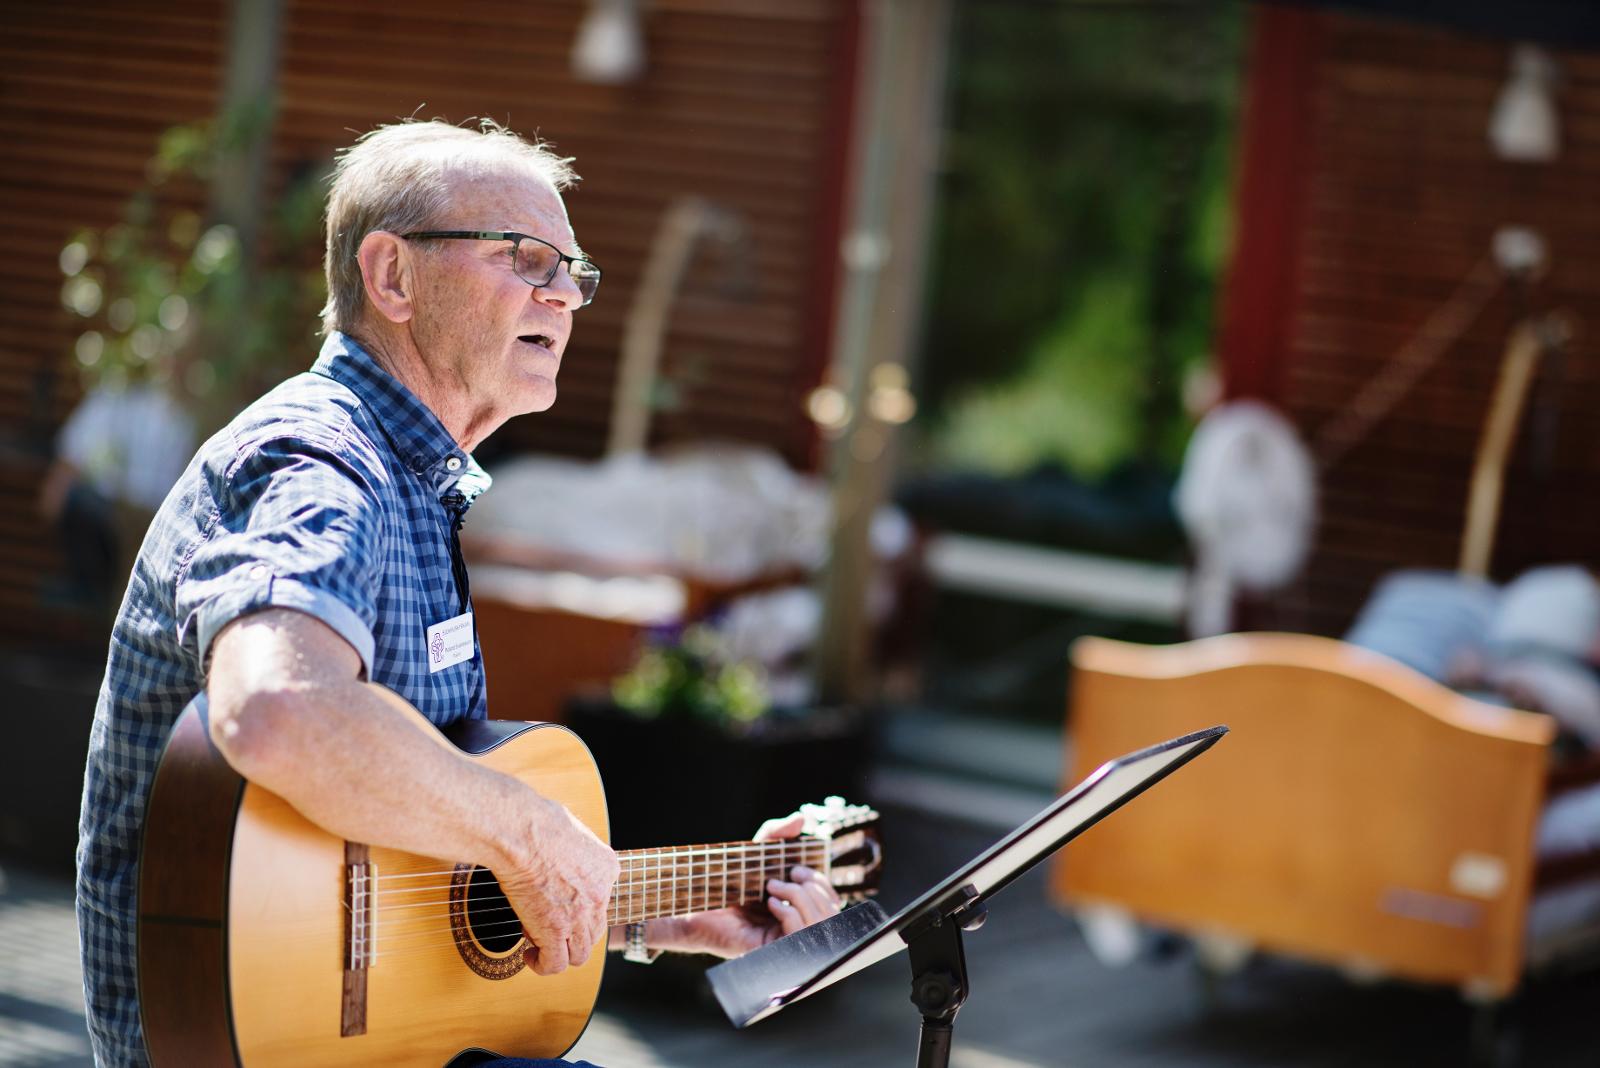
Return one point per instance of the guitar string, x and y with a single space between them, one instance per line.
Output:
389 940
386 898
681 907
429 940
426 939
615 916
687 884
629 876
687 881
647 870
678 906
663 859
653 855
711 866
627 899
690 883
401 948
423 932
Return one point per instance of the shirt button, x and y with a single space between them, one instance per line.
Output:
259 571
453 464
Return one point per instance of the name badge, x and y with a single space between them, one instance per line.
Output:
450 642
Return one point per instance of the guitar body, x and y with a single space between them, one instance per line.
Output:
245 924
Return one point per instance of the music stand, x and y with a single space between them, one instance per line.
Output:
766 980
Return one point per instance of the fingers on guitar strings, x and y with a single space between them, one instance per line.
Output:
790 919
817 884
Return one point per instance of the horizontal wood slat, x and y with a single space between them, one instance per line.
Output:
86 89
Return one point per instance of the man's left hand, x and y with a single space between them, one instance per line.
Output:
799 901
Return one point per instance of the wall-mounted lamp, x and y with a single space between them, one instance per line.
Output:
1523 125
609 48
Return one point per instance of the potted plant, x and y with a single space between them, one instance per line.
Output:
694 748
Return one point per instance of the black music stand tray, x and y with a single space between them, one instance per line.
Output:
779 974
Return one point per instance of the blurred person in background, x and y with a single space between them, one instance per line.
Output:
1533 644
307 557
117 455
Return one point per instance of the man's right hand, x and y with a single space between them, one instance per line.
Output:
562 891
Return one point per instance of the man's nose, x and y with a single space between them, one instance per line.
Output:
560 292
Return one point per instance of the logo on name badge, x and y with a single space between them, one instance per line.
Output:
436 647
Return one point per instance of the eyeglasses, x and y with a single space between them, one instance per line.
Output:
535 261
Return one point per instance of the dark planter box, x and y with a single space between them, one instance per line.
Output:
670 782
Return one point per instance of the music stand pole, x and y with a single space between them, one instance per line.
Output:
939 984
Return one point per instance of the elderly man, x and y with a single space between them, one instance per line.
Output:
308 554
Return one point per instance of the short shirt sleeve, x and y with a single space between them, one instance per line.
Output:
296 526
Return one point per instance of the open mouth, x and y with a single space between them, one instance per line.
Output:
544 340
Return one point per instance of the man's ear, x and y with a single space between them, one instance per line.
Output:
385 261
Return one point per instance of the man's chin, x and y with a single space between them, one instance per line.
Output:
539 396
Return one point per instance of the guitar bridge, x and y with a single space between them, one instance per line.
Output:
360 935
361 921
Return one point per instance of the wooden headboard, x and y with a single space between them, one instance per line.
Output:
1358 813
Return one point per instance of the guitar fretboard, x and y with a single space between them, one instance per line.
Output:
685 879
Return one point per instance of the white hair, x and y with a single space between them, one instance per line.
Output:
400 178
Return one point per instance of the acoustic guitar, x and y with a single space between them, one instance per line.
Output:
264 941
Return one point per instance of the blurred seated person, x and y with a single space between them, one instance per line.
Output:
1534 644
117 455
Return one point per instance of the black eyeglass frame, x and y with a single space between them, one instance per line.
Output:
516 239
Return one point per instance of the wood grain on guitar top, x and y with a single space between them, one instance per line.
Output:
285 928
286 942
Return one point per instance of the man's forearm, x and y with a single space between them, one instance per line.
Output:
289 713
349 759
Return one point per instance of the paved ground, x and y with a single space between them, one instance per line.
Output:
1040 999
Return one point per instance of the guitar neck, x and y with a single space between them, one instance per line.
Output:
685 879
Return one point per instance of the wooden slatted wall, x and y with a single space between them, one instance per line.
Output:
1402 195
86 88
744 102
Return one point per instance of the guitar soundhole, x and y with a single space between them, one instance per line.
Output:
486 932
493 921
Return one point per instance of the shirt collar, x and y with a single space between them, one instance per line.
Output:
416 434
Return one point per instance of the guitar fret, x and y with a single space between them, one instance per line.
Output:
683 879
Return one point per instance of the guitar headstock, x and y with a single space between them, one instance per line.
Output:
855 855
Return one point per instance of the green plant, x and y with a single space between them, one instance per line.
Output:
691 679
167 297
1079 235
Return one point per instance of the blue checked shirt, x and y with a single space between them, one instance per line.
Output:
323 496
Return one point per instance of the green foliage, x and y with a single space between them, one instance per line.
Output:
692 680
168 298
1070 402
1080 232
